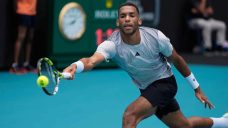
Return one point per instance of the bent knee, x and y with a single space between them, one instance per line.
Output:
130 118
222 25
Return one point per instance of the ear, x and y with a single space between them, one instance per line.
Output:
117 23
140 21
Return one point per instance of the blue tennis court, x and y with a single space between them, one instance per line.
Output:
97 99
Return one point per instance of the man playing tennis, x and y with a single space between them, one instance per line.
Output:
142 53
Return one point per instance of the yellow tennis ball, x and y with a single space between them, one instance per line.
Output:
42 81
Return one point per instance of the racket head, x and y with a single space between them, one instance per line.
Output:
45 67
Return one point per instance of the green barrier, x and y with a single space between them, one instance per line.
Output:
78 27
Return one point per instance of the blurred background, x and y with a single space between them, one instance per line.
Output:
168 16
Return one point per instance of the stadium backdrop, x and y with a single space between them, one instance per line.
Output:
168 16
99 24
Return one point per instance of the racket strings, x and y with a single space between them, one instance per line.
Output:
45 67
48 71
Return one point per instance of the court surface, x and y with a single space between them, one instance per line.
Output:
97 99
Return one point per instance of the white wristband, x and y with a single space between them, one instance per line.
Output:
192 81
80 66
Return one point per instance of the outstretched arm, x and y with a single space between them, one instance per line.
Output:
182 67
84 64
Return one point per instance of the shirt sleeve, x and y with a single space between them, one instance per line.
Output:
165 46
107 49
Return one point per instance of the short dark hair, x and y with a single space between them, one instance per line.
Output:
128 4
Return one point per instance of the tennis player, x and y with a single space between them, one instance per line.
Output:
142 53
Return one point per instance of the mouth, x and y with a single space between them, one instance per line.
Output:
128 26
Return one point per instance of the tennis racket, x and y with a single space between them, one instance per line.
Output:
46 67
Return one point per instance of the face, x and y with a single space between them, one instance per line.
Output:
128 20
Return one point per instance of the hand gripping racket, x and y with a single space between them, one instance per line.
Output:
45 67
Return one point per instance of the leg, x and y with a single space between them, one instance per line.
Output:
30 22
20 38
173 117
220 27
137 111
206 30
200 122
29 45
178 120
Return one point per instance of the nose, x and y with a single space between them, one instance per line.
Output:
127 18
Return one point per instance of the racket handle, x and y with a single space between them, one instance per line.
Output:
66 75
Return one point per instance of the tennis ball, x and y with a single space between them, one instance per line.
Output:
42 81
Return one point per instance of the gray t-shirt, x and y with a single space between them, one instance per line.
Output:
144 62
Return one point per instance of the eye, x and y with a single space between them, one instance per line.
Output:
122 16
132 15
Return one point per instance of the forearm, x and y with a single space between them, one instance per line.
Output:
81 65
88 63
181 66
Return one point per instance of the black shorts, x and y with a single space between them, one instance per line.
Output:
26 20
161 94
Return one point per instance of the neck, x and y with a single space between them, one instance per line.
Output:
131 39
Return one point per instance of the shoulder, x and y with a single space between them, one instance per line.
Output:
162 36
107 49
148 30
115 37
155 33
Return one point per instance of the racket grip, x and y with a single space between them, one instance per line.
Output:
66 75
